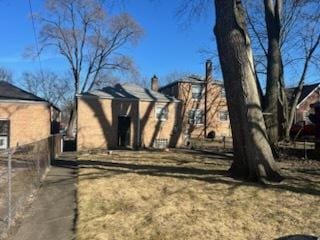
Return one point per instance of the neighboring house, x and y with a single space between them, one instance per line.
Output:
24 117
127 116
310 94
191 92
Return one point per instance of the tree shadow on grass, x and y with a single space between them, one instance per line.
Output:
212 174
111 167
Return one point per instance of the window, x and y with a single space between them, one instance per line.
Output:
224 115
195 116
305 116
222 92
197 91
161 112
4 134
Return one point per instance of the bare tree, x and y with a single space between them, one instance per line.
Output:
285 42
253 158
88 38
5 75
274 68
284 34
50 86
309 35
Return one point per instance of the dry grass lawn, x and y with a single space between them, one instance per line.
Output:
188 195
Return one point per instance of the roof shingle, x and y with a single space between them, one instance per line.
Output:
11 92
130 91
306 90
194 79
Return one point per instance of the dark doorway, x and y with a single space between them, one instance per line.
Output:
124 123
69 145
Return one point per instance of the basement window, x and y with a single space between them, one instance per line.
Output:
224 116
161 143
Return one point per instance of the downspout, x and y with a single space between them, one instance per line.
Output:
50 118
138 124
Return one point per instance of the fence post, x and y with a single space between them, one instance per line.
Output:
9 188
38 156
305 150
51 150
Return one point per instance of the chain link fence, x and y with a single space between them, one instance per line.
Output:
218 144
303 149
22 170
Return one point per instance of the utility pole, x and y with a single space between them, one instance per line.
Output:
207 81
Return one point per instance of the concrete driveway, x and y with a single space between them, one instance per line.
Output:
53 214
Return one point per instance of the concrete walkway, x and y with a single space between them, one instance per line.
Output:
53 214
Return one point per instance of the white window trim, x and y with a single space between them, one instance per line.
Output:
202 92
6 136
156 115
194 110
222 92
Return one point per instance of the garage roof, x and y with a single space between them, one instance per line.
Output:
9 91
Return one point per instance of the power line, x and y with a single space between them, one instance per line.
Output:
36 39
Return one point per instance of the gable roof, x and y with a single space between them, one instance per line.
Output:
306 91
11 92
194 79
130 92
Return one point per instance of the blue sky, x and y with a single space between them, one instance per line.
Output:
166 46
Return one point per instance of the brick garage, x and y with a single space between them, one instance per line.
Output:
24 117
127 116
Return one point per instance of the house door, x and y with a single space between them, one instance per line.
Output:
4 134
124 131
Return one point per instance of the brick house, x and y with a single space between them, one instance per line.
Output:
127 116
310 94
191 92
24 117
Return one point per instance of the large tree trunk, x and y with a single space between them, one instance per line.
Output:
253 158
272 105
283 107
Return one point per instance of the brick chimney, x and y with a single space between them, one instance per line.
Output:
154 83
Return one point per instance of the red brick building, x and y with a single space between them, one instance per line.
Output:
310 94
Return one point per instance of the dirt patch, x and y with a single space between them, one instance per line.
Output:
188 195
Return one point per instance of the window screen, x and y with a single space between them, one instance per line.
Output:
4 127
197 91
196 116
4 134
224 116
161 112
